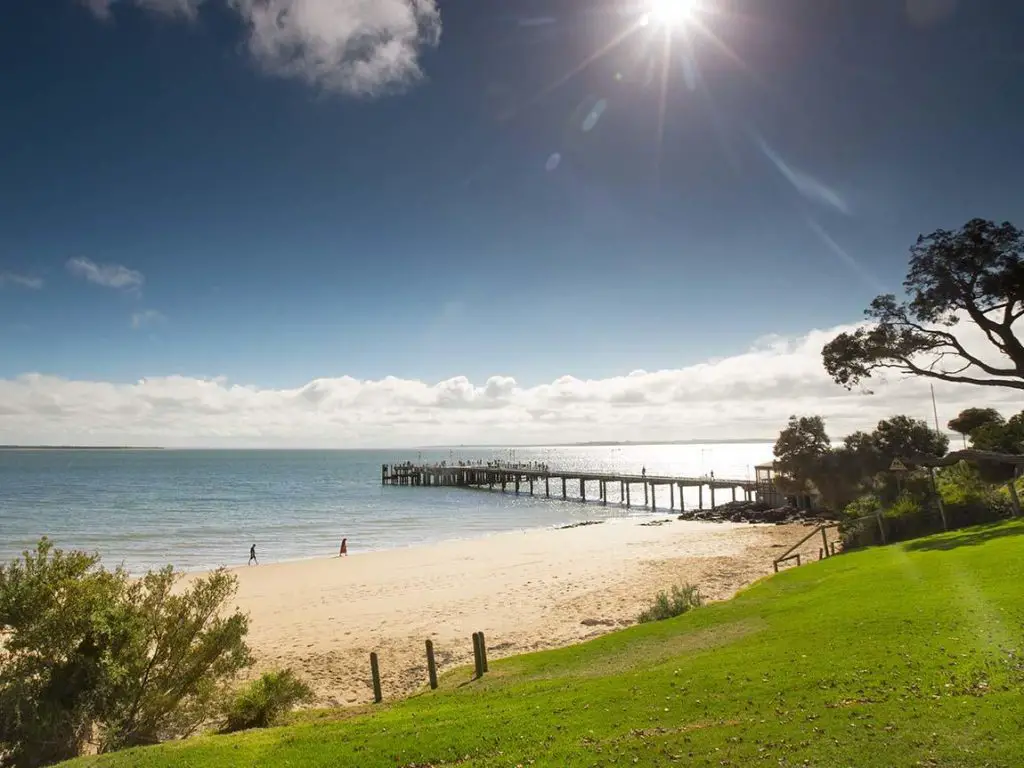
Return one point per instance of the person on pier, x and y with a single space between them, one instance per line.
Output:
643 472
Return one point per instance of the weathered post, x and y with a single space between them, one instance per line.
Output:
881 527
477 658
671 497
563 489
583 489
653 502
483 651
628 502
682 499
375 674
531 485
712 497
824 541
547 487
646 499
700 497
734 493
431 665
517 484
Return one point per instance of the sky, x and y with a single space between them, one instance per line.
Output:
345 223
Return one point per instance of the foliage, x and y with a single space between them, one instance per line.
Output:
261 703
976 272
970 419
840 474
666 606
895 656
962 485
91 653
799 451
905 505
999 437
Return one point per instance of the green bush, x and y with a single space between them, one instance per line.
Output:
93 658
666 605
261 703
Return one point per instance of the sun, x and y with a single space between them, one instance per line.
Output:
670 13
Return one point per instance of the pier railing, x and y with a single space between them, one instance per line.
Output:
530 477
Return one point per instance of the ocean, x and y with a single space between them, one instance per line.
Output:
202 509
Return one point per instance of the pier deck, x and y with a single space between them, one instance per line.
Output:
533 479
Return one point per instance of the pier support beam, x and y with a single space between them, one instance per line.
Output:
734 493
517 485
671 497
563 489
653 502
700 497
627 496
682 502
531 485
547 487
583 490
712 498
646 500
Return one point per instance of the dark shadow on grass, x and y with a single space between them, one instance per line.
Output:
967 538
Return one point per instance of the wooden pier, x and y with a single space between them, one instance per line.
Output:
573 484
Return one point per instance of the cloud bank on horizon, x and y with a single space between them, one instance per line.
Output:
356 47
744 396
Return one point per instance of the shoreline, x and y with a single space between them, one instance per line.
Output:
526 590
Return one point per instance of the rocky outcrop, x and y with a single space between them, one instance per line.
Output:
752 512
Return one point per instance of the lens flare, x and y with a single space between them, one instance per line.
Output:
670 13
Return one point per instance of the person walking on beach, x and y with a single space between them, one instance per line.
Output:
343 551
252 555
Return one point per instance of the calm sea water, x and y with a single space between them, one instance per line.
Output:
202 509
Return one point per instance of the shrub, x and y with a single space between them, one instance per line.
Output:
261 703
91 656
666 605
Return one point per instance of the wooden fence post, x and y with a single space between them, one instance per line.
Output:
431 665
483 651
477 660
824 541
375 674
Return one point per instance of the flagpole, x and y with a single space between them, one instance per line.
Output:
935 410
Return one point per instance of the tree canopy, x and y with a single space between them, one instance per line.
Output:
970 419
976 272
807 461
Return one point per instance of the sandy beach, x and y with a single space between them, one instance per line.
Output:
526 591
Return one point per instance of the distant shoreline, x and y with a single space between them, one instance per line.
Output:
79 448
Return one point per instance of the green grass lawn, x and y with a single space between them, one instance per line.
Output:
908 655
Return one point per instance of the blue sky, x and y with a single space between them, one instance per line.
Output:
275 192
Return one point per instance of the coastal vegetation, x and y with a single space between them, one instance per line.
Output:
93 660
668 605
855 479
902 655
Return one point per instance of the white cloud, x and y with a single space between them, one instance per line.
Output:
148 318
23 281
357 47
746 395
107 275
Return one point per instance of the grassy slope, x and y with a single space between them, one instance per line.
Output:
900 656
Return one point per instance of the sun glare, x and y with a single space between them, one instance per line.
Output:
670 13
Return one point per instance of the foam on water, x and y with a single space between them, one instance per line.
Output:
202 509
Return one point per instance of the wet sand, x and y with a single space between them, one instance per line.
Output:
526 591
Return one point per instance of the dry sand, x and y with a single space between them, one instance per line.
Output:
526 591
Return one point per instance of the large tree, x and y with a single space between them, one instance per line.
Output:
976 272
970 419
